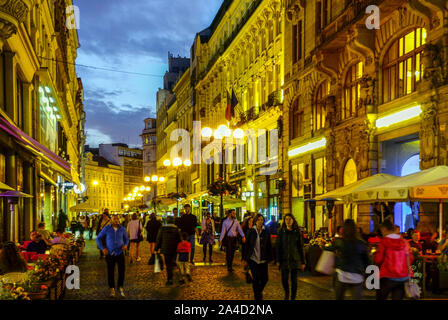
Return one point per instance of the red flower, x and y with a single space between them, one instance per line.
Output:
43 287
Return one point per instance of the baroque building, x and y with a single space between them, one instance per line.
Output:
361 101
41 114
149 140
240 57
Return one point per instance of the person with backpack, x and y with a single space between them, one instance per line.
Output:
167 240
230 228
152 228
351 261
394 259
290 254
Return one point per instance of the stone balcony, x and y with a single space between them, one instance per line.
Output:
12 14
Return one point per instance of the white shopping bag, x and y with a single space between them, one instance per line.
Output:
325 264
157 264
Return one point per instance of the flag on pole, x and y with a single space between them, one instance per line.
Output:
231 104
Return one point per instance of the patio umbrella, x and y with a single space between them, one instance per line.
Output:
399 189
435 190
4 186
84 207
15 194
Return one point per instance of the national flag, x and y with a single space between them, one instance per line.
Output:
229 108
233 103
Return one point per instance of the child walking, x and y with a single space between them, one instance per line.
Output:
184 250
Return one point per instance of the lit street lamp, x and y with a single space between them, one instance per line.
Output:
177 163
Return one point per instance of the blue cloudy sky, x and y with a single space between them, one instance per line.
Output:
133 36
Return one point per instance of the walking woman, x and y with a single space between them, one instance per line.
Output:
258 254
351 261
289 247
134 230
247 224
207 237
152 228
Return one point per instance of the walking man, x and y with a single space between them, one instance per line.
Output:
230 229
188 223
117 241
62 220
167 240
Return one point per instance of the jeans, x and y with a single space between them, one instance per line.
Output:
170 263
210 250
390 286
341 287
192 242
230 251
260 278
90 233
111 261
286 273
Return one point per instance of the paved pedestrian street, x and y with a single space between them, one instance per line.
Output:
209 282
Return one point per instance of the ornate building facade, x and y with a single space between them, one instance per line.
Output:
41 114
362 101
241 55
149 140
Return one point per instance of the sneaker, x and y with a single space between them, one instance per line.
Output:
121 290
169 283
139 259
112 293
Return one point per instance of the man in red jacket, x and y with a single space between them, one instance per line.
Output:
394 258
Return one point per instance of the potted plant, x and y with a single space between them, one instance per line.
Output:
34 289
13 292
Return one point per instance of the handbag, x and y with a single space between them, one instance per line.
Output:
139 233
225 239
326 261
411 288
157 268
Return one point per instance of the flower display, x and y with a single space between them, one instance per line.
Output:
13 292
221 187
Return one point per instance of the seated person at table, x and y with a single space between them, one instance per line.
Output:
46 236
415 242
60 239
443 245
38 245
431 244
409 233
10 259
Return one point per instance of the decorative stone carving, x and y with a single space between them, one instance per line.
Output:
330 104
432 60
367 91
13 13
428 131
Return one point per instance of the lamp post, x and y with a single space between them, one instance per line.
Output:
222 132
177 164
153 181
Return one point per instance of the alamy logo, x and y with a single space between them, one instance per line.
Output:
72 280
73 18
373 20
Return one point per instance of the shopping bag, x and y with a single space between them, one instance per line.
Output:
412 290
325 264
157 268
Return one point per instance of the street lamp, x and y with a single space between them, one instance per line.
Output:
177 163
222 132
153 180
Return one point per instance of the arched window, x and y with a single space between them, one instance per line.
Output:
352 90
297 119
320 111
402 65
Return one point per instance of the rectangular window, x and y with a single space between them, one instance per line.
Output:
294 43
299 40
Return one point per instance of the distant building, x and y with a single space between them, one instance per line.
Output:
130 159
149 140
104 181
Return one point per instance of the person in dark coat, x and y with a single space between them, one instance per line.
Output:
168 238
62 220
290 254
351 261
258 254
152 229
37 245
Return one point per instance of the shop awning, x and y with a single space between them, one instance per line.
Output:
34 146
400 189
197 195
4 186
84 207
15 194
345 193
436 190
228 202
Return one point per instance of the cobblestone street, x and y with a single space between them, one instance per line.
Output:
209 282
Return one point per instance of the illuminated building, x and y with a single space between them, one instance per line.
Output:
149 140
41 114
375 96
241 55
104 182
